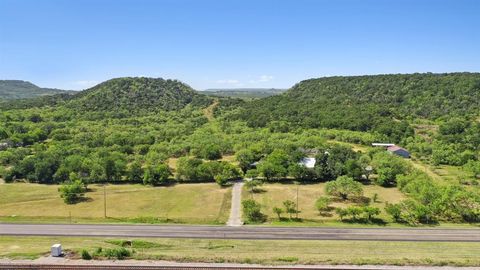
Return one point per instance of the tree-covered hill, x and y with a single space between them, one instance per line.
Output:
369 102
17 89
137 94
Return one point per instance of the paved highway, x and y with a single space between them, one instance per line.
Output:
244 232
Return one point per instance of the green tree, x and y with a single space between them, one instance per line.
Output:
271 170
135 172
473 168
388 166
344 187
300 172
278 211
354 212
353 169
394 210
370 212
252 211
290 207
156 174
330 162
187 169
322 205
245 157
253 184
252 174
341 212
72 192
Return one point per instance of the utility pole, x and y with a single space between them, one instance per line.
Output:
104 201
296 212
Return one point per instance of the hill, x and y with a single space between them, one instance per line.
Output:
137 94
244 93
17 89
369 102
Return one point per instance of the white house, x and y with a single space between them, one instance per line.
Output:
308 162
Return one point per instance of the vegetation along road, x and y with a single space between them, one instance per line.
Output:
248 232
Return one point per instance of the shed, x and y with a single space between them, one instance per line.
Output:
397 150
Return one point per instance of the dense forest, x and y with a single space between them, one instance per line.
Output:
134 129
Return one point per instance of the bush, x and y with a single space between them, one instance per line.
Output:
394 210
117 253
86 255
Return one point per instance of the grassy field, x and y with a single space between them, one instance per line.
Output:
188 203
272 195
355 147
261 251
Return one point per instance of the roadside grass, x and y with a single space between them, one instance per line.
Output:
272 195
271 252
184 203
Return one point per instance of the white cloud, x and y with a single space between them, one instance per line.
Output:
228 81
265 78
262 79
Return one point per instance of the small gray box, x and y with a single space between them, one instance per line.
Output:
56 250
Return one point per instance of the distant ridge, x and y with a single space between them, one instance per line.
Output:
246 89
246 93
18 89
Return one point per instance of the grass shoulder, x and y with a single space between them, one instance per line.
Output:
265 252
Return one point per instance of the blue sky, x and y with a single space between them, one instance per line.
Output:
233 43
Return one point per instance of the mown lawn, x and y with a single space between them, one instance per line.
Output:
272 195
260 251
188 203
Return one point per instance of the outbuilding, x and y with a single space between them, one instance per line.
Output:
397 150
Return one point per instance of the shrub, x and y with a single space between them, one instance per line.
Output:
86 255
118 253
394 210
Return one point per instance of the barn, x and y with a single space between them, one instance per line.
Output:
397 150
